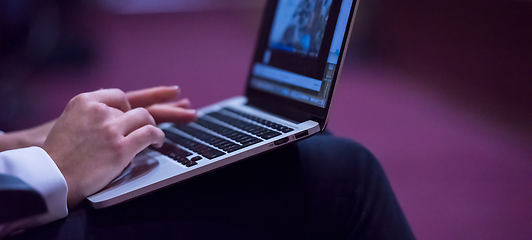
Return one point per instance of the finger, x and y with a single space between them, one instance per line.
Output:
133 120
143 137
183 103
150 96
164 113
111 97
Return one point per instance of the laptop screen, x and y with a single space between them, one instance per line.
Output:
300 57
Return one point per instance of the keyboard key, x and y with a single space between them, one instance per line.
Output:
212 153
196 158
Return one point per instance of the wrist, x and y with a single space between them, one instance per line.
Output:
74 196
14 140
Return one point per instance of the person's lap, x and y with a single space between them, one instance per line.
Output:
322 187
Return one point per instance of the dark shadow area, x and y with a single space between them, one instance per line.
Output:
475 53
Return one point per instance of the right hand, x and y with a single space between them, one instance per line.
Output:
96 137
155 100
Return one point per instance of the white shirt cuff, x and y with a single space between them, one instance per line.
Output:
35 167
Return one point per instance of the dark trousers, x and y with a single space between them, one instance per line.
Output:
324 187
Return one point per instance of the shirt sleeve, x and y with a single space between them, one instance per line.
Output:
35 167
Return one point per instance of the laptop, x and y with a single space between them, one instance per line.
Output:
296 65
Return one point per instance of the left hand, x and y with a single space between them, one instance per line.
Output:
26 138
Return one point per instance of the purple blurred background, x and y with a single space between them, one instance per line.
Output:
440 92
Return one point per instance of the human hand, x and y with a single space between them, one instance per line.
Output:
96 137
155 100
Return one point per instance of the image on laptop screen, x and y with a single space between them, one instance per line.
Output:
299 26
301 56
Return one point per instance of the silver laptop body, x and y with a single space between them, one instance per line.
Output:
297 62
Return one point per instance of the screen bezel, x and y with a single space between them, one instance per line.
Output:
286 106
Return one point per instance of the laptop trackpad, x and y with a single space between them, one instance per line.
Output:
141 165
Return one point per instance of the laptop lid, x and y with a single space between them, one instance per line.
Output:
299 56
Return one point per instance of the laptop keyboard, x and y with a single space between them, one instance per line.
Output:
216 141
262 121
212 144
242 138
246 126
177 154
193 145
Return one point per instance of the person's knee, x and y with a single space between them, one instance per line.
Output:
336 150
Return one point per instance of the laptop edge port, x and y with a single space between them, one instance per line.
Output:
281 141
301 134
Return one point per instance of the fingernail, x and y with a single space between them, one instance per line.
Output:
174 87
